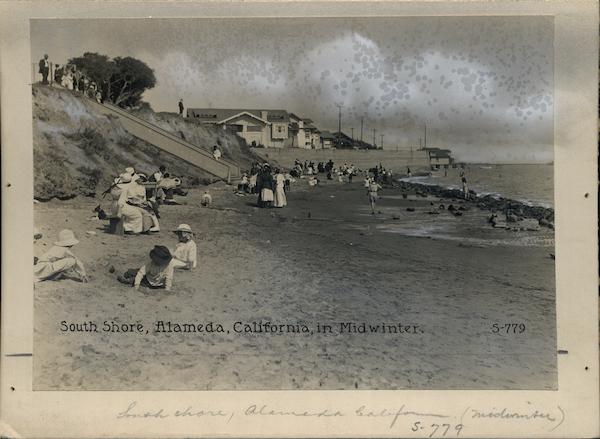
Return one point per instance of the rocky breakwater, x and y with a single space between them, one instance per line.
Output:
516 213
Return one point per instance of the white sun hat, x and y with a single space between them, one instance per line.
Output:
66 238
183 228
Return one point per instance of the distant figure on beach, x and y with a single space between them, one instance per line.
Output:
465 188
252 182
156 273
185 254
372 193
266 197
216 152
243 184
408 173
44 69
59 262
206 199
280 198
181 107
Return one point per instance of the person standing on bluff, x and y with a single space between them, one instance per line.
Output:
44 69
181 107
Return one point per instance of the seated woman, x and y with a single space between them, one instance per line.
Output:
59 262
136 196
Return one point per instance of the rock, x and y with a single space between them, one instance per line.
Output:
111 269
410 209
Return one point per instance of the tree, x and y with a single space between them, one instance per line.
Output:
122 80
131 79
99 68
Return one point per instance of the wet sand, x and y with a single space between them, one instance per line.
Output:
323 259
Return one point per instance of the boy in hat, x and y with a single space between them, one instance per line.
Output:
59 262
186 253
156 273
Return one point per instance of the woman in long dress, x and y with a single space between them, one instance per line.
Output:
266 193
280 199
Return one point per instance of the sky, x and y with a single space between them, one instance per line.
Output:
483 86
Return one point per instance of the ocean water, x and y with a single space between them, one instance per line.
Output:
531 184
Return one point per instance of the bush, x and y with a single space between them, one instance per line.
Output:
90 140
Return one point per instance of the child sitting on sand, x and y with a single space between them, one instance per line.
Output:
156 273
185 253
59 262
206 199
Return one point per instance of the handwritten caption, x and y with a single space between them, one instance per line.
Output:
430 424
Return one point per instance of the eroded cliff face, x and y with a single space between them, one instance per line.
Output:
78 151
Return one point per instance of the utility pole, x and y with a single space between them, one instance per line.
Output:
339 123
362 119
352 129
420 145
374 143
382 141
425 134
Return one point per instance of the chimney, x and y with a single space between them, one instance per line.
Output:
263 114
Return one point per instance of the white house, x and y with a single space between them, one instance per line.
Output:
269 128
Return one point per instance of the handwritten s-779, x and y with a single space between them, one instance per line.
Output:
437 430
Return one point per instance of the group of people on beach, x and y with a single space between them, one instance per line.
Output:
270 184
132 210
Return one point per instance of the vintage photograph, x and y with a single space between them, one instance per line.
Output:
319 203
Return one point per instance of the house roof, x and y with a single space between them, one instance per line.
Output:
217 115
327 135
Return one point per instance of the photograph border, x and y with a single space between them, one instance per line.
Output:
570 411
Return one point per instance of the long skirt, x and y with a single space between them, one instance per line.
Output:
266 194
133 219
280 199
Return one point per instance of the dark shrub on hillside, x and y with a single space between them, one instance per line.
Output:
91 141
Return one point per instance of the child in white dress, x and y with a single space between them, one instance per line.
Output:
185 255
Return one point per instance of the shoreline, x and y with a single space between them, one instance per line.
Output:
491 202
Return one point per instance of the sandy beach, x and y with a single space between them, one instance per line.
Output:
323 260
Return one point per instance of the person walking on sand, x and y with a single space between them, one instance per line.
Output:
465 188
185 254
156 273
280 198
372 193
44 69
59 262
181 107
408 173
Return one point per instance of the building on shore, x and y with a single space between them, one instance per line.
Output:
268 128
439 157
344 141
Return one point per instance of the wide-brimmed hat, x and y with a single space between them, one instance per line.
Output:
125 178
161 254
66 238
130 170
183 228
